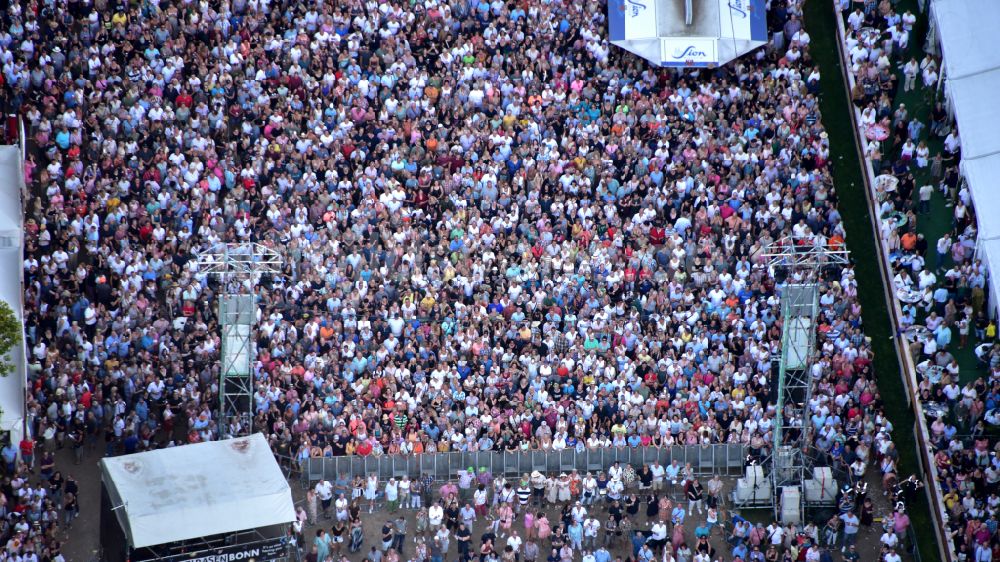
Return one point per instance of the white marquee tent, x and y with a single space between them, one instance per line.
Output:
192 491
11 251
972 77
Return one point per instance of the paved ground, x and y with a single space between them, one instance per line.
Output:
82 541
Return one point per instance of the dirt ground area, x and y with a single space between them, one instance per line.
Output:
83 539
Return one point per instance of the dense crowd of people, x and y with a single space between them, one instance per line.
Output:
941 288
651 514
498 232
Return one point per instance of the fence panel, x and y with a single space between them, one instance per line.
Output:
722 458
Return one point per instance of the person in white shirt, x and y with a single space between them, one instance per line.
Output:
434 516
856 19
589 490
514 541
579 513
392 495
481 501
910 71
590 529
658 536
908 19
615 472
324 490
889 539
775 534
615 489
659 475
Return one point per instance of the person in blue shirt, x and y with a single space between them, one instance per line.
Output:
602 555
9 454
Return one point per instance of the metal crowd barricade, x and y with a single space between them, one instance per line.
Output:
721 458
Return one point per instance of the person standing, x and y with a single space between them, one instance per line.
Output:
435 515
659 475
392 494
404 492
71 508
27 447
695 494
399 535
322 544
324 491
311 506
910 72
925 193
371 491
851 526
387 535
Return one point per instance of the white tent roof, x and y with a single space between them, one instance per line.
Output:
972 71
981 173
963 26
11 227
198 490
976 112
989 251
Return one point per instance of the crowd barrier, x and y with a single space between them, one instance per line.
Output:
929 473
723 459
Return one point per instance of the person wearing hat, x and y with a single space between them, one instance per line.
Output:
616 487
537 488
392 495
523 492
465 479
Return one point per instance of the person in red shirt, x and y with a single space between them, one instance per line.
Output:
184 99
27 447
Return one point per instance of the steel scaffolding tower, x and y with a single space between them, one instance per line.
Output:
239 267
797 263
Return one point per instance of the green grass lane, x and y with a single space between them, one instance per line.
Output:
853 205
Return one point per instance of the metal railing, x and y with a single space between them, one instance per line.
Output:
721 458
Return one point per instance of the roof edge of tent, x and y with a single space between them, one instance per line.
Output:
150 528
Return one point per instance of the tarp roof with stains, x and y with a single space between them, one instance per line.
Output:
192 491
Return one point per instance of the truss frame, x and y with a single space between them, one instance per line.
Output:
239 267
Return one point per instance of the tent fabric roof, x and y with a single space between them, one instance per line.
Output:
199 490
972 73
971 70
11 228
976 112
963 26
990 252
980 173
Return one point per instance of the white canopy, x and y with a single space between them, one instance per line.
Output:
981 175
990 253
963 27
199 490
976 112
11 256
971 69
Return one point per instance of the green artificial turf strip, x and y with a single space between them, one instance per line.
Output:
853 205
